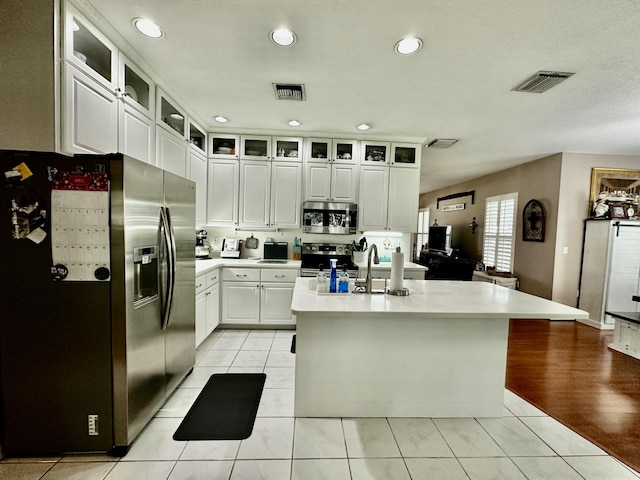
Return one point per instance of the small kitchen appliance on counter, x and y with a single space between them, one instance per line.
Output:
316 254
231 248
203 248
275 252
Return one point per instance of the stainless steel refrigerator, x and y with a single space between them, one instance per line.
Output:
98 312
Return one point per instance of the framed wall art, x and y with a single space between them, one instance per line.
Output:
533 222
614 187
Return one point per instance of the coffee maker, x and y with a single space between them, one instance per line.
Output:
203 248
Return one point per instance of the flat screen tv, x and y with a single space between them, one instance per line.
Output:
439 238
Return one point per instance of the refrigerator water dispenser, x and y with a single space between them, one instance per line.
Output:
145 273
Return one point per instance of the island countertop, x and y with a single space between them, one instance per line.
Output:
434 298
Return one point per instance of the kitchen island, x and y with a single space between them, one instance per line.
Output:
439 352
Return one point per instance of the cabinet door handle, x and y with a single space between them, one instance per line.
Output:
241 275
279 276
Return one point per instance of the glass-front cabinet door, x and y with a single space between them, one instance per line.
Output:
170 116
136 88
345 151
405 155
318 150
287 148
89 50
375 152
223 145
255 147
197 137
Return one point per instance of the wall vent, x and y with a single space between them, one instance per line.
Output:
441 143
289 91
541 81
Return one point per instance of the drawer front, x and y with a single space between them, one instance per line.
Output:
201 283
213 277
287 275
234 274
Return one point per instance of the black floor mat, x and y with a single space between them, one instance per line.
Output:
225 409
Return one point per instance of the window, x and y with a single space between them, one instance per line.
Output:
423 230
499 231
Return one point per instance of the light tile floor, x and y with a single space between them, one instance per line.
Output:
523 444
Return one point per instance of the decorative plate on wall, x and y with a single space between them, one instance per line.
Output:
533 222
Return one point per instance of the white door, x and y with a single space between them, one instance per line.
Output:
171 152
197 167
90 115
344 183
136 134
222 190
286 191
275 303
403 199
241 302
254 193
373 196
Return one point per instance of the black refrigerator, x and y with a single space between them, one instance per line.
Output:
97 324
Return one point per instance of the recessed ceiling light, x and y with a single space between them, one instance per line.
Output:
148 28
283 37
363 126
220 119
294 123
408 46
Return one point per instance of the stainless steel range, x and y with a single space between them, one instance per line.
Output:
316 254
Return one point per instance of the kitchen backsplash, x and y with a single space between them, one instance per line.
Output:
386 243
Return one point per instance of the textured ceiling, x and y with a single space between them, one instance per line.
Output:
217 57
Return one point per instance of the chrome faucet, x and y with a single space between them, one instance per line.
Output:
376 260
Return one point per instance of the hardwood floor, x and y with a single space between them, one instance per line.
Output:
566 370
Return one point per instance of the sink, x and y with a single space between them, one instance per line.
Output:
272 261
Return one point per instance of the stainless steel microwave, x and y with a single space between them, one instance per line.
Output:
329 217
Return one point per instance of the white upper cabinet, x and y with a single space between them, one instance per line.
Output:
108 103
255 193
224 146
270 194
404 185
171 152
223 193
320 150
86 48
169 116
405 155
374 196
254 147
90 115
135 87
197 172
197 138
287 149
375 153
335 182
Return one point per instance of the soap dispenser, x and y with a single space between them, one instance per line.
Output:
343 281
333 279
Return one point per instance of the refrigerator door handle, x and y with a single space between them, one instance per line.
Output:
169 244
172 269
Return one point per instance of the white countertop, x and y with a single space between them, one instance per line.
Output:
434 298
203 265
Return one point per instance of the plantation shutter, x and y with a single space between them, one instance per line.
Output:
499 231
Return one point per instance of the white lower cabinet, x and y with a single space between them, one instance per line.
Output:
241 295
256 296
207 304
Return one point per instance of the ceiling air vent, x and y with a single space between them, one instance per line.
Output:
441 143
289 91
541 82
